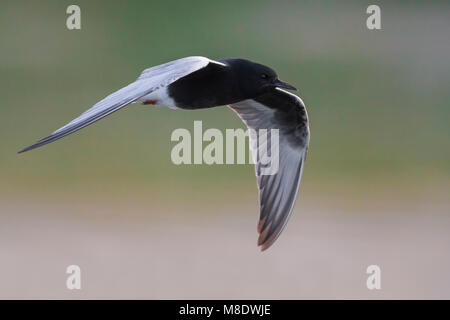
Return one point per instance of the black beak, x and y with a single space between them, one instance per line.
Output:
281 84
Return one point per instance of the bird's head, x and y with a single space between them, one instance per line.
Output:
256 79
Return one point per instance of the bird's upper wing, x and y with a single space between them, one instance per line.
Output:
277 189
150 80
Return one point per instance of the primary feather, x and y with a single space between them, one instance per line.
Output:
150 80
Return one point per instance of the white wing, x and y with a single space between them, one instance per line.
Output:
277 192
150 80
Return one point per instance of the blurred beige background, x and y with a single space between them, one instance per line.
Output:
376 182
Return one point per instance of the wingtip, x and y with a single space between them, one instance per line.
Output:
266 244
267 237
38 144
27 149
264 240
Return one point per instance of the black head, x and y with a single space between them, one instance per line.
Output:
254 78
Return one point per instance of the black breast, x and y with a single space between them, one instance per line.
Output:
208 87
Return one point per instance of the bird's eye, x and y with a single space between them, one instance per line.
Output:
264 76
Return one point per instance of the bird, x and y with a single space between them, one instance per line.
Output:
253 91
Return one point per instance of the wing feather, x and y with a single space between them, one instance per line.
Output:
150 80
277 192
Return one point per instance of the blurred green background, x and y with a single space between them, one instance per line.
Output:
377 100
378 103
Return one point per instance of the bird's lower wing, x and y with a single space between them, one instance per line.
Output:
277 190
150 80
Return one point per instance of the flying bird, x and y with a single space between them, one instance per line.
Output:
253 91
